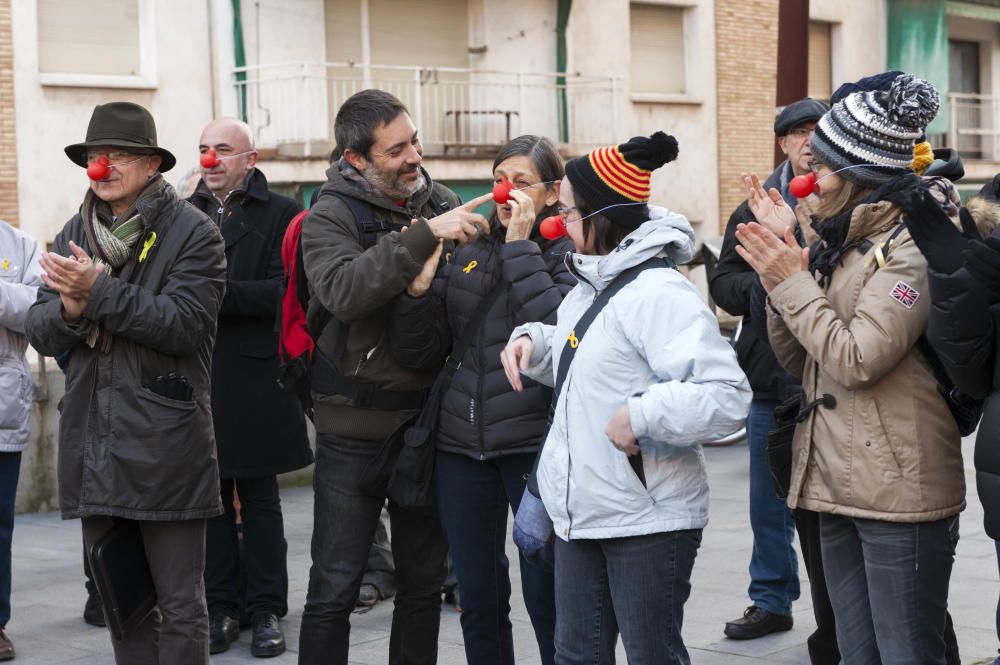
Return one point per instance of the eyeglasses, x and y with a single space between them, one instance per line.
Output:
115 157
800 132
564 212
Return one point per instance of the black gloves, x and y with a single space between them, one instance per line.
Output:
933 231
982 260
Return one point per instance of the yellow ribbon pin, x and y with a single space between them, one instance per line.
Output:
146 246
573 341
472 264
5 265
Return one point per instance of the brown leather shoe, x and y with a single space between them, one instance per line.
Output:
6 647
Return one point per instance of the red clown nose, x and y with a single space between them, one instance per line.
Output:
100 169
209 159
501 191
802 186
552 227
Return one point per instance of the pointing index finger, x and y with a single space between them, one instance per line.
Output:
476 202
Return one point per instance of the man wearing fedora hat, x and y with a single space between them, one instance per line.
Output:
131 295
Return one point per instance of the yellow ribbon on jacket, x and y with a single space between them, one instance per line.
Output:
146 246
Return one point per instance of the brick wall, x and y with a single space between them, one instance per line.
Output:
746 37
8 139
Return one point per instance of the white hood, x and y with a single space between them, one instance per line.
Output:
666 233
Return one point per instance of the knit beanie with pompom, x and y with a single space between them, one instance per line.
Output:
620 174
876 131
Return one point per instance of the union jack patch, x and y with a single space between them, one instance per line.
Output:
905 294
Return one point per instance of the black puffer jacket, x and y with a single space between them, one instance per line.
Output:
964 329
481 416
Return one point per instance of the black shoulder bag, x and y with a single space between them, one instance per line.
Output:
533 532
412 482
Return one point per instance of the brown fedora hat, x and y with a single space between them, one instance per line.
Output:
120 125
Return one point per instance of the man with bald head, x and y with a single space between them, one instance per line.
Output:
259 428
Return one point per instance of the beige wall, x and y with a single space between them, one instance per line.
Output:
50 187
8 137
688 185
858 36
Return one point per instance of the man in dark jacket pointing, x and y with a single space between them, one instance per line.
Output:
358 262
132 292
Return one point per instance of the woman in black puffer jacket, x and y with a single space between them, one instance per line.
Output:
487 434
964 325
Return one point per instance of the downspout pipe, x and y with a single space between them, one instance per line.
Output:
562 20
240 59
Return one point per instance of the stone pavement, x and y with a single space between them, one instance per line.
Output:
47 627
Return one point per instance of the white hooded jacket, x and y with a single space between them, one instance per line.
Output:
655 346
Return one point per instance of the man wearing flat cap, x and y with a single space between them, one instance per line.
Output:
132 291
774 575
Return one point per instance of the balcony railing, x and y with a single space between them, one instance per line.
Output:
974 125
292 106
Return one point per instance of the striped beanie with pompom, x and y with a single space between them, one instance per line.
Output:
876 130
620 174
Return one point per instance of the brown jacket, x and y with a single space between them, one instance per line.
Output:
358 287
889 449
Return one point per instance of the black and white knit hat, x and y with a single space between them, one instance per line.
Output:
876 129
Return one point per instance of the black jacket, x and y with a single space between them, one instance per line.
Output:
964 329
731 285
259 427
481 416
125 450
357 287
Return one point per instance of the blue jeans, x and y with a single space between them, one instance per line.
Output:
345 516
636 585
10 469
888 584
474 498
774 568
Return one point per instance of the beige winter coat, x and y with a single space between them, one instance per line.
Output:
889 449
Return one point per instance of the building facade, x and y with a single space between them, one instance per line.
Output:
474 73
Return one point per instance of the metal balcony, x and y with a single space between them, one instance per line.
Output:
458 112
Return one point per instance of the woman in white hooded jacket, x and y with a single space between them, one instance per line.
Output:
651 379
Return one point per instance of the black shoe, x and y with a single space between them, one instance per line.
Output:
757 622
93 612
268 640
222 630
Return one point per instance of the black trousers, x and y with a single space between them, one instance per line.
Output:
823 642
345 515
264 551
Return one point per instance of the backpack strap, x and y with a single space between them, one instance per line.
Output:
573 342
580 329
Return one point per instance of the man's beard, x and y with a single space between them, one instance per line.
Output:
389 183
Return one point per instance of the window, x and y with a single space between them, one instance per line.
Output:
657 49
101 43
820 60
